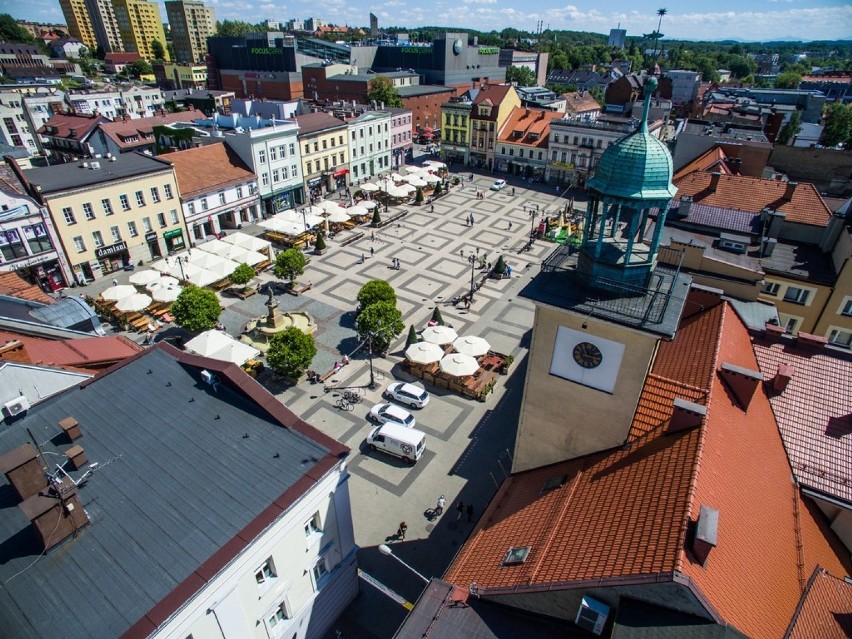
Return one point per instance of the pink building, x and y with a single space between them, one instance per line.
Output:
401 143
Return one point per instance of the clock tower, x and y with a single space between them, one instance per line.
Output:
601 308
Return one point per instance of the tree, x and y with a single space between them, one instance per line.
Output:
788 80
382 91
837 119
139 67
291 352
289 264
500 266
376 291
438 189
234 28
11 31
320 244
157 50
419 196
790 129
382 322
243 274
377 217
523 76
412 336
437 317
196 309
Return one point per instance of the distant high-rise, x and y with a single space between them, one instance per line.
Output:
374 26
616 38
191 22
139 23
78 21
104 23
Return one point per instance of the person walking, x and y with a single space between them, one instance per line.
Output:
372 251
471 219
439 507
432 209
460 509
470 512
510 225
400 532
114 282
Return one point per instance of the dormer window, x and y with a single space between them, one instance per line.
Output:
517 555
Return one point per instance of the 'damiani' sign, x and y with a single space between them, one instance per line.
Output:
488 50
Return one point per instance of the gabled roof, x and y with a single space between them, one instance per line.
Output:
86 353
121 58
159 529
13 285
132 133
528 127
319 121
580 102
711 160
816 434
493 95
621 516
60 125
208 168
825 610
755 194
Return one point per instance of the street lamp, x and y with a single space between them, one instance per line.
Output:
385 550
532 224
180 264
472 260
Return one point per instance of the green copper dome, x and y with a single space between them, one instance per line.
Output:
638 166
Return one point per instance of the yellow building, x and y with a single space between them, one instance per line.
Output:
111 213
140 24
191 22
491 108
455 129
79 23
324 142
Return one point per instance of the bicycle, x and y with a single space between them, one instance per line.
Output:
344 404
352 397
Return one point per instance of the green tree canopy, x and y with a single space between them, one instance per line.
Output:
788 80
243 274
291 352
235 28
139 67
838 125
523 76
381 321
158 50
376 291
196 309
790 129
289 264
382 90
11 31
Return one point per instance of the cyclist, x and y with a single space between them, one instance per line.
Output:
439 508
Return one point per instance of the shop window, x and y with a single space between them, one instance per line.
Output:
11 245
36 237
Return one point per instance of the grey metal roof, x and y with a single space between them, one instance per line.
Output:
755 315
641 620
34 382
183 469
74 175
422 89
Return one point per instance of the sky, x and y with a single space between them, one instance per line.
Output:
728 19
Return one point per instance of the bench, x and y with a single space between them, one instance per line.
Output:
392 219
352 238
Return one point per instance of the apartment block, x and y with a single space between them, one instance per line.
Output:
140 24
191 23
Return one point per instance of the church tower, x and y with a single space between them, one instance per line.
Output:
602 308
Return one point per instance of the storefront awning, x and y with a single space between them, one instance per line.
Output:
340 172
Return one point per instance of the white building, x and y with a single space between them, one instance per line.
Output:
685 85
134 102
15 130
39 106
369 144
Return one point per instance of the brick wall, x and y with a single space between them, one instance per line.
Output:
829 170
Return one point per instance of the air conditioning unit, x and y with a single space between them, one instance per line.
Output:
95 165
208 377
16 406
592 615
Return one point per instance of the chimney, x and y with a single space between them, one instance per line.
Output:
686 415
788 193
77 456
23 471
71 428
714 181
685 206
706 533
741 381
55 513
807 340
782 377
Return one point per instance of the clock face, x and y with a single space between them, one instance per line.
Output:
457 46
587 355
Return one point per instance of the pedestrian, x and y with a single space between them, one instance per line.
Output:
513 190
461 252
400 532
372 236
460 509
114 282
362 258
471 219
510 225
432 209
372 251
470 512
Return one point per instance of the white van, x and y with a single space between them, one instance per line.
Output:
395 439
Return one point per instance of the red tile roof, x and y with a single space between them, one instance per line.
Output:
580 102
121 58
712 160
208 168
621 516
13 285
87 353
130 133
319 121
754 194
825 610
60 125
533 126
816 434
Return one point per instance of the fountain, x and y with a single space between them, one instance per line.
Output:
259 330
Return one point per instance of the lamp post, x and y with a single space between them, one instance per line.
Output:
305 225
372 385
385 550
180 264
472 260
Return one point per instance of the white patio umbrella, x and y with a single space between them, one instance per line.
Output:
248 242
431 178
367 204
369 187
424 353
219 345
357 209
439 334
118 292
412 176
166 293
236 352
434 164
459 365
408 188
343 216
471 345
165 281
170 266
417 182
386 185
398 192
206 260
203 277
133 303
396 177
143 278
328 206
410 169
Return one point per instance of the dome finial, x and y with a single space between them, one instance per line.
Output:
650 87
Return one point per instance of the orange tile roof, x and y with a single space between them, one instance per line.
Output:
84 354
123 132
580 102
530 122
64 123
825 610
621 516
207 168
13 285
712 160
754 194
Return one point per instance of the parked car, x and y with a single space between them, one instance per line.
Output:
499 185
407 443
391 414
408 394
